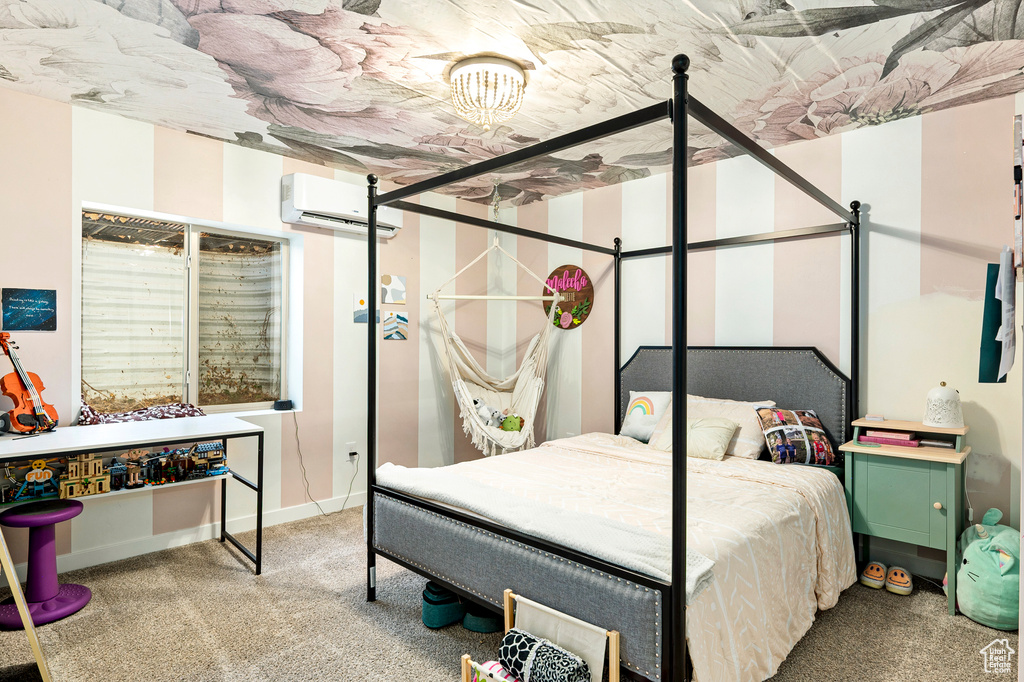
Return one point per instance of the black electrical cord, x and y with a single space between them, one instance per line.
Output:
305 479
353 480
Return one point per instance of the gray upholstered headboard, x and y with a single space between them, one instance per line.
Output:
795 378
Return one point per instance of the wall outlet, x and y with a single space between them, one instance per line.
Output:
350 447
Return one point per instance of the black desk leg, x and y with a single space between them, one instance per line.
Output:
223 506
259 508
257 487
224 495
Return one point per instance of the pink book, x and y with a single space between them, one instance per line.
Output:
888 441
895 435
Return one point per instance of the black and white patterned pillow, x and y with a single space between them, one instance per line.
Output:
515 651
551 663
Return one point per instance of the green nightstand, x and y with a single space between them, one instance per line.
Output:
913 495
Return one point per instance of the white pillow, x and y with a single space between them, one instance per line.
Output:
706 437
662 431
644 411
747 441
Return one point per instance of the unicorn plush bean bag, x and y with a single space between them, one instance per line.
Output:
988 580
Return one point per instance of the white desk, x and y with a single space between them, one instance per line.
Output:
99 438
122 436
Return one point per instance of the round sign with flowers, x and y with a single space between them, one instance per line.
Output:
576 292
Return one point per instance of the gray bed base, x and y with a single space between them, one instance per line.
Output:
480 560
481 563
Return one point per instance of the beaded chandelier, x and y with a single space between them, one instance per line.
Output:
487 90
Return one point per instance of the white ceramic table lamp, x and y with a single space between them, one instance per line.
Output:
944 409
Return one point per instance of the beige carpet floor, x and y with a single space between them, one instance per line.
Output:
198 613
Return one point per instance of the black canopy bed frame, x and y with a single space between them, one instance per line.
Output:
663 653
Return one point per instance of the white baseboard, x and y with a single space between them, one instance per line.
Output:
155 543
296 513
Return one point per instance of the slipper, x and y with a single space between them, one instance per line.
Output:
441 607
480 619
874 575
899 581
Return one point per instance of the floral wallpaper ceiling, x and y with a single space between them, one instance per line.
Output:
358 84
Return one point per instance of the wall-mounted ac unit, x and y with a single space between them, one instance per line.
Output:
312 200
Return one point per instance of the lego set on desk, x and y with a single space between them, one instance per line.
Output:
90 474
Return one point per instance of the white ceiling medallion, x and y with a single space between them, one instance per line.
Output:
487 90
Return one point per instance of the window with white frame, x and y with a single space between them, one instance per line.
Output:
177 312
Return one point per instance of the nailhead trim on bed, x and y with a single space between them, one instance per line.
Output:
657 594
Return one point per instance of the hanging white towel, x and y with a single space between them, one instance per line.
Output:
1006 291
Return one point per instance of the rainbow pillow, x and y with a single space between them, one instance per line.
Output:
644 411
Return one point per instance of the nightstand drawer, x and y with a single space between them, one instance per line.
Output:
895 498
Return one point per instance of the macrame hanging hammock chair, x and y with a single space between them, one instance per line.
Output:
519 392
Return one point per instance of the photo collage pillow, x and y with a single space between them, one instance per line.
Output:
796 437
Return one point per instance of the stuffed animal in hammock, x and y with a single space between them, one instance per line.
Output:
987 582
489 415
512 422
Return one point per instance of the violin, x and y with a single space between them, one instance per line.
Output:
30 413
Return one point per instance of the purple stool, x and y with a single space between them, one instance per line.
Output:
47 600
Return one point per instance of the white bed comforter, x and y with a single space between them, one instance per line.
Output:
779 536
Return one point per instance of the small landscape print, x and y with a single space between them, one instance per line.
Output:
392 289
31 310
396 326
360 311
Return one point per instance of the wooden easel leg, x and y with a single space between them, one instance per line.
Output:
7 566
465 668
509 601
614 660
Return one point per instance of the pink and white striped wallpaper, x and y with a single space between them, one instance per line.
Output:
935 190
